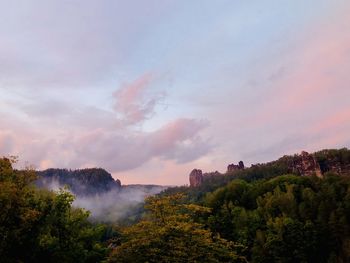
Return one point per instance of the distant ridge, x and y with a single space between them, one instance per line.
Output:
304 164
87 181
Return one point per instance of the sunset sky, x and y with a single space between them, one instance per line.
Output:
151 89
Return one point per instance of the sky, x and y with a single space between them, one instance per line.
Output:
150 90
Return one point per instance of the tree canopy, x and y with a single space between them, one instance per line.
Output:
41 226
170 232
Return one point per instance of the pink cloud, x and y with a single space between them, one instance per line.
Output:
96 137
178 141
333 122
133 104
306 105
316 73
116 151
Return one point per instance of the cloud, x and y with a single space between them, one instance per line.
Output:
181 135
328 132
58 114
178 140
299 99
57 133
48 109
133 105
115 151
316 71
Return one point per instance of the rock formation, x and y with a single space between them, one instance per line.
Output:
196 178
334 161
234 167
81 182
305 164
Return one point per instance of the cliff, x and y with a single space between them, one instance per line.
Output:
235 167
305 164
81 182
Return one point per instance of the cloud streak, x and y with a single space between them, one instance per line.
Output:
133 104
177 141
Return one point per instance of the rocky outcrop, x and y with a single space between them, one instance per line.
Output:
235 167
196 178
81 182
334 161
305 164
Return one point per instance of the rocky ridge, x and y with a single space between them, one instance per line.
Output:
303 164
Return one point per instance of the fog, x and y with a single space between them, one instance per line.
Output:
119 204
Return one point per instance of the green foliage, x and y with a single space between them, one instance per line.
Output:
41 226
285 219
171 233
261 214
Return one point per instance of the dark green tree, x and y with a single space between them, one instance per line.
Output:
41 226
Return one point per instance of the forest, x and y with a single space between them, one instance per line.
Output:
266 213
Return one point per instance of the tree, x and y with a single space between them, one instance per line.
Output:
41 226
170 233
